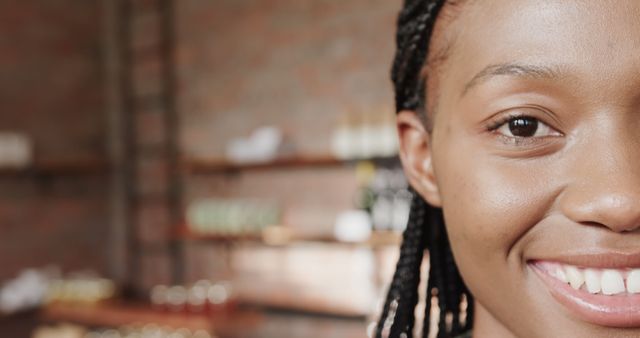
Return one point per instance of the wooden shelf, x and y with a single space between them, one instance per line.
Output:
5 317
250 322
117 314
286 301
203 166
219 238
58 168
377 239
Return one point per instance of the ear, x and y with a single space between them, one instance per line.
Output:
416 156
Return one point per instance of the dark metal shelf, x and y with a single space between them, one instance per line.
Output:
208 166
60 168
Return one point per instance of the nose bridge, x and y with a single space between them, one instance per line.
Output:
605 182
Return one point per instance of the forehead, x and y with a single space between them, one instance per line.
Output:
591 38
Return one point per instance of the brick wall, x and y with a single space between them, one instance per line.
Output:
51 89
50 85
298 65
52 221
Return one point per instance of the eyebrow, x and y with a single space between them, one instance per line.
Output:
512 69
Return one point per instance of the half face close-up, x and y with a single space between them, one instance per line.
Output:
534 157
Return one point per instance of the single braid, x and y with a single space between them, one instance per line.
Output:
415 24
426 324
445 282
453 291
426 228
437 268
397 318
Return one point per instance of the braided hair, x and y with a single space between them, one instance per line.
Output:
425 229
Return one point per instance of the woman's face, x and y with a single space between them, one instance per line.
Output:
535 153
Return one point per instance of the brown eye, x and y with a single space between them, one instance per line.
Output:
523 126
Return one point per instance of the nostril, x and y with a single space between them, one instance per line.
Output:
594 224
611 201
613 210
619 228
607 227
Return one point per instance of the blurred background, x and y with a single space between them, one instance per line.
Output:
192 168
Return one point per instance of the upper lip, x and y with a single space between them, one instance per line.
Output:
597 259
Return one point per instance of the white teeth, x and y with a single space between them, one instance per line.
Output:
592 280
562 276
612 282
633 281
574 276
597 281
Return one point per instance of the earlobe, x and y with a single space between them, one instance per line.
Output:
430 184
416 156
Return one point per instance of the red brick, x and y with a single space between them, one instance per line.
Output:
146 29
51 89
151 128
155 269
152 177
154 223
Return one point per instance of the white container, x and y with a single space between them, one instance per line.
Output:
16 150
353 226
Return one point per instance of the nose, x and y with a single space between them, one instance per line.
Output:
614 210
605 187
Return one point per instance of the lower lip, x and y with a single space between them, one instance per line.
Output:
612 311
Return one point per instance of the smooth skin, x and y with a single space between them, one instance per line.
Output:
573 186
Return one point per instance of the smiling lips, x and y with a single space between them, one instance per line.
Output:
602 296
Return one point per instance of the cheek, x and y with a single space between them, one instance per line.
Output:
489 203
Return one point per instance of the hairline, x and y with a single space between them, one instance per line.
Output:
437 58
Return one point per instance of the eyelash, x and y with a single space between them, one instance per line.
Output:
494 126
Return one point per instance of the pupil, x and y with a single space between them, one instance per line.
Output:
523 126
